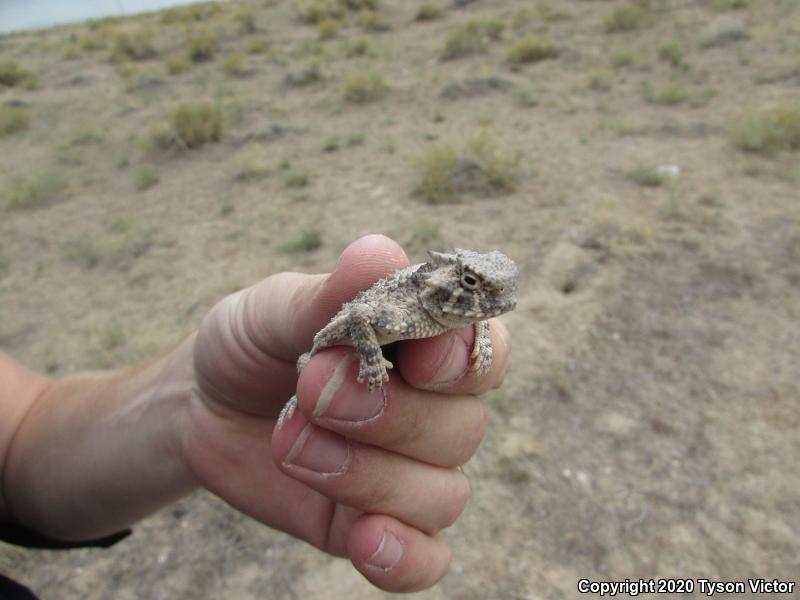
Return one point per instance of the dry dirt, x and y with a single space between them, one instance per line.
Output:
650 424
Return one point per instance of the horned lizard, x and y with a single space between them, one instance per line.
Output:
423 300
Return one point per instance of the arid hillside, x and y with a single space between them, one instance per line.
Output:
639 160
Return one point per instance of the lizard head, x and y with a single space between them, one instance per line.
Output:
466 286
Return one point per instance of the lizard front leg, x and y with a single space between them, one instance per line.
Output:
356 325
481 349
372 364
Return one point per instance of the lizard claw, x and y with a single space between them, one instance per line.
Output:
374 373
286 412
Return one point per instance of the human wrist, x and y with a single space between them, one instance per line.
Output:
106 446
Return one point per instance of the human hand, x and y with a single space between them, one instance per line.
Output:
368 475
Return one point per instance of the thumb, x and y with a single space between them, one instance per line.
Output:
248 344
292 308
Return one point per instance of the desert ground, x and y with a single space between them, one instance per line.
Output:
640 161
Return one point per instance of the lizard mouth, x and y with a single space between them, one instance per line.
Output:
498 309
504 307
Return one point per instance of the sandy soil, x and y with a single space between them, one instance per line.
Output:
649 425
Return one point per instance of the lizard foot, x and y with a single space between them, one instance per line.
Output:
374 372
481 349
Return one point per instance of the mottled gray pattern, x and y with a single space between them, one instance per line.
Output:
424 300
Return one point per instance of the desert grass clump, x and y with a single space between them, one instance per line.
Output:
730 4
601 81
622 57
125 240
647 176
5 266
768 131
83 136
135 78
315 11
248 164
423 235
82 251
531 49
258 46
192 13
36 191
357 138
305 239
672 53
110 336
372 20
331 144
11 74
195 124
527 97
70 52
550 10
13 119
297 179
201 45
360 5
177 63
471 38
91 41
246 18
464 41
357 47
724 32
145 177
427 11
235 63
434 172
303 77
129 238
327 29
364 85
483 166
135 45
625 18
669 94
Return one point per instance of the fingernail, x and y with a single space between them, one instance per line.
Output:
455 362
359 406
320 451
388 554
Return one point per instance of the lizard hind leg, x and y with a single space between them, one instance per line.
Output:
287 412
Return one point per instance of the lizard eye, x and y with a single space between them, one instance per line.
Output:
469 281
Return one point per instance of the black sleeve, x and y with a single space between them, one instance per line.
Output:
11 590
29 538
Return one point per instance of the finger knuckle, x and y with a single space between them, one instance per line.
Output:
372 493
471 432
457 501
